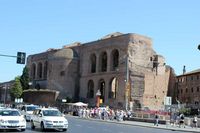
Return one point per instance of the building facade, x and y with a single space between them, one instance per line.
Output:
124 68
5 96
188 88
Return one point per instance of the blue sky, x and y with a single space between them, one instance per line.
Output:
33 26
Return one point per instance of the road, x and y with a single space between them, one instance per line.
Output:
87 126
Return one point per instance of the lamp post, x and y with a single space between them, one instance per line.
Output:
98 94
199 47
5 87
127 89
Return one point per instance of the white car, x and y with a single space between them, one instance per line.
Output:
12 119
27 111
49 118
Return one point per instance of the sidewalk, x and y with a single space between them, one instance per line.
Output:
164 127
145 124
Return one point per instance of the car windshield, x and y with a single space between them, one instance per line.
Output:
51 113
31 108
9 113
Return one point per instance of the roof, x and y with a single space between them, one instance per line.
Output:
49 108
190 73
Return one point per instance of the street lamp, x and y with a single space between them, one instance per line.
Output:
127 87
5 87
98 94
30 85
199 46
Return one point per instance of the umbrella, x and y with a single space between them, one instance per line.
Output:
80 104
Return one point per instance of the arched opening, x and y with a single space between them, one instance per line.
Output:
102 90
90 93
114 60
33 71
113 88
39 70
45 69
103 62
93 63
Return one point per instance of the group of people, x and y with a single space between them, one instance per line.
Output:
120 115
180 120
103 113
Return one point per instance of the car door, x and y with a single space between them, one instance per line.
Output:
36 118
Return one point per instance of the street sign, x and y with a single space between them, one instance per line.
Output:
168 101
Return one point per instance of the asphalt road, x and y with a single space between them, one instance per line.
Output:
86 126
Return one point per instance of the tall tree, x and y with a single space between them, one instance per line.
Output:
16 90
25 79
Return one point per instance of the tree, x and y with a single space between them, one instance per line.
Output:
24 79
16 90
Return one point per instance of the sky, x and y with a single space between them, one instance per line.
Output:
33 26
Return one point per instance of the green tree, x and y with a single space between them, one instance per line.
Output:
16 90
24 79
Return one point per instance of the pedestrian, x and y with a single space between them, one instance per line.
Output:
156 120
181 122
195 121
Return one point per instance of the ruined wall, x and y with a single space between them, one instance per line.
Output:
107 44
69 71
156 88
62 71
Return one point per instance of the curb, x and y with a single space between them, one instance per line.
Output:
140 125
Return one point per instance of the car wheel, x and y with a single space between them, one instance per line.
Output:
64 130
32 125
42 126
22 130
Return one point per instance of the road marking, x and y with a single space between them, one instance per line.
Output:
78 125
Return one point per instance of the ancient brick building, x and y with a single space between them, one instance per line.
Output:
188 88
123 67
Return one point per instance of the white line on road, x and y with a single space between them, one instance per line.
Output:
78 125
90 127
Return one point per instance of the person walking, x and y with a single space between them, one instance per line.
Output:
195 121
156 120
181 122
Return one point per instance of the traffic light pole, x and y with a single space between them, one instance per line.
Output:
21 57
8 55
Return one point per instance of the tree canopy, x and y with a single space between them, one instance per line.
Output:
16 90
24 79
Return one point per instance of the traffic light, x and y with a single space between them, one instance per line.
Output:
21 57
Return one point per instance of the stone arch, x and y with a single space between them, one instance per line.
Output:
103 62
102 87
33 71
92 63
113 88
90 93
45 69
39 70
114 60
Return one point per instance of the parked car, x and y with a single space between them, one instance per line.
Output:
49 118
27 111
12 119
